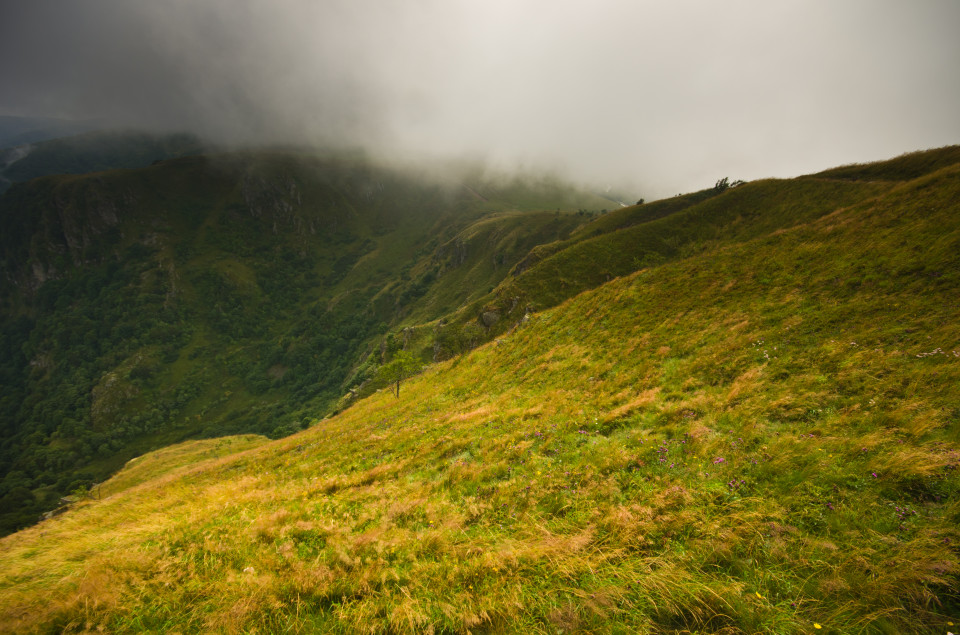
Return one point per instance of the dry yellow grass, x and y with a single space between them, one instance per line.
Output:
744 487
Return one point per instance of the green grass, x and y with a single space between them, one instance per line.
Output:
600 251
903 168
470 264
643 236
761 436
162 462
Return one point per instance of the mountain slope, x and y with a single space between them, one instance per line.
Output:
636 237
217 295
761 436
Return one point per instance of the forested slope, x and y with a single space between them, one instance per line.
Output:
224 294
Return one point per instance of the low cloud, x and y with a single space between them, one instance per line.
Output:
662 97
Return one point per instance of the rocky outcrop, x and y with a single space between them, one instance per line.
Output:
489 318
52 224
277 198
110 397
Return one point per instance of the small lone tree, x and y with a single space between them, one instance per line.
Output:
403 365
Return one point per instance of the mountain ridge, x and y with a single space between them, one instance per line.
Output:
142 307
755 436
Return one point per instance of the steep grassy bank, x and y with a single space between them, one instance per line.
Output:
632 238
763 436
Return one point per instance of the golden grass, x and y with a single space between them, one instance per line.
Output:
187 454
736 492
638 402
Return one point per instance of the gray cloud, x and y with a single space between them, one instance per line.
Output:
666 96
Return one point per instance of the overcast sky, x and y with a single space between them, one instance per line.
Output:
668 96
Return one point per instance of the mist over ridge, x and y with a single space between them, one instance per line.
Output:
406 316
663 99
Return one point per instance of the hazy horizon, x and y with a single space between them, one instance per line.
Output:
660 98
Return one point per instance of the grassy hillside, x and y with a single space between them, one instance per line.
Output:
643 236
483 253
224 294
762 435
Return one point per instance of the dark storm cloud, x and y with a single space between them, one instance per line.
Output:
669 96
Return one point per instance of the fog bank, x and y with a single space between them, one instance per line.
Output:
665 97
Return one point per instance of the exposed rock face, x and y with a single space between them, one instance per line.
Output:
277 198
452 253
56 227
39 273
313 202
110 396
489 318
437 340
84 218
42 362
56 512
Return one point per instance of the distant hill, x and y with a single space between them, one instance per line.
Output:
733 412
91 152
15 130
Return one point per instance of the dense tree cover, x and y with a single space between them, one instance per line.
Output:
110 361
